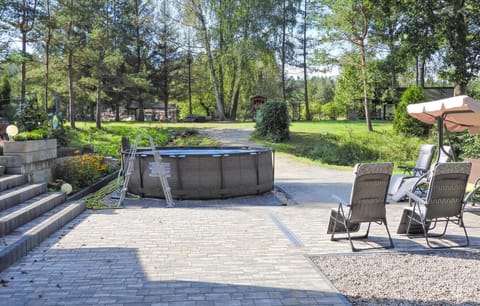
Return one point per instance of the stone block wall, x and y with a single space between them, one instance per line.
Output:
35 158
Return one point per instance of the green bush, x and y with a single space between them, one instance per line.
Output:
315 111
35 124
272 121
341 151
465 144
37 134
405 124
332 110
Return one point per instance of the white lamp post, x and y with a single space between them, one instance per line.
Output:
12 131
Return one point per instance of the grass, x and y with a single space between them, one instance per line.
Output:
337 143
344 143
107 140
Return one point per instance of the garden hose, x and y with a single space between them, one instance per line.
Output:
97 200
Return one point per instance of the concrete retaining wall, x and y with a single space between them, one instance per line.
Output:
35 158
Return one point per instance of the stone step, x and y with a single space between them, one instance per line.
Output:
20 214
19 242
12 180
19 194
2 169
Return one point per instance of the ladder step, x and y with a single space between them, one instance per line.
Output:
163 170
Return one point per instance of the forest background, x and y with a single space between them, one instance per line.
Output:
81 58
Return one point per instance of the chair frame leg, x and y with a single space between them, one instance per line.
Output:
427 236
346 224
422 220
391 246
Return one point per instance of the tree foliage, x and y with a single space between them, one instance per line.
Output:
273 121
210 57
404 123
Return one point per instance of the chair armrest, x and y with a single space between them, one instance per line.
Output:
420 170
406 169
421 180
340 200
469 196
415 198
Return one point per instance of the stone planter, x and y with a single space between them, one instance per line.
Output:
32 157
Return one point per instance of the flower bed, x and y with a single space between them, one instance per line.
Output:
83 170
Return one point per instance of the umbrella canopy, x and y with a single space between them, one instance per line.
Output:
456 114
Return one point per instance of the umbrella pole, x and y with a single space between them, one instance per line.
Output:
440 124
439 136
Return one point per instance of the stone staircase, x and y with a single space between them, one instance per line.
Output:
29 213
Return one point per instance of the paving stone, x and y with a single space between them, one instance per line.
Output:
226 252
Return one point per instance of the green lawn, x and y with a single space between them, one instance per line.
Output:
107 141
344 143
335 143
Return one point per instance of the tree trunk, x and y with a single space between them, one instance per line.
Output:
208 49
305 80
141 110
284 48
233 114
138 51
47 54
24 29
458 41
231 92
221 77
98 115
421 67
365 95
363 67
117 112
189 62
71 107
23 68
166 64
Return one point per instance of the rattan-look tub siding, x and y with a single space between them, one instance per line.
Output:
205 172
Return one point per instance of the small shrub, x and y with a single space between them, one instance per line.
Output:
405 124
272 121
30 117
468 145
37 134
35 124
82 170
332 110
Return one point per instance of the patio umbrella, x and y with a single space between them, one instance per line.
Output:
454 114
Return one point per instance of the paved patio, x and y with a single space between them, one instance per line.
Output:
241 251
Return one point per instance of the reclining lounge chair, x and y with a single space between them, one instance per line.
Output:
407 183
367 203
425 156
444 203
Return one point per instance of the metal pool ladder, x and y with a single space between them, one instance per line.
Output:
161 169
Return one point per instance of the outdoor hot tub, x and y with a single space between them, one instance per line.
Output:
203 172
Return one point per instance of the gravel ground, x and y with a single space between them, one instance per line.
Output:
440 278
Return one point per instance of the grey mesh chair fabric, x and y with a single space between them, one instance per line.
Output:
424 159
425 156
366 205
445 201
407 183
